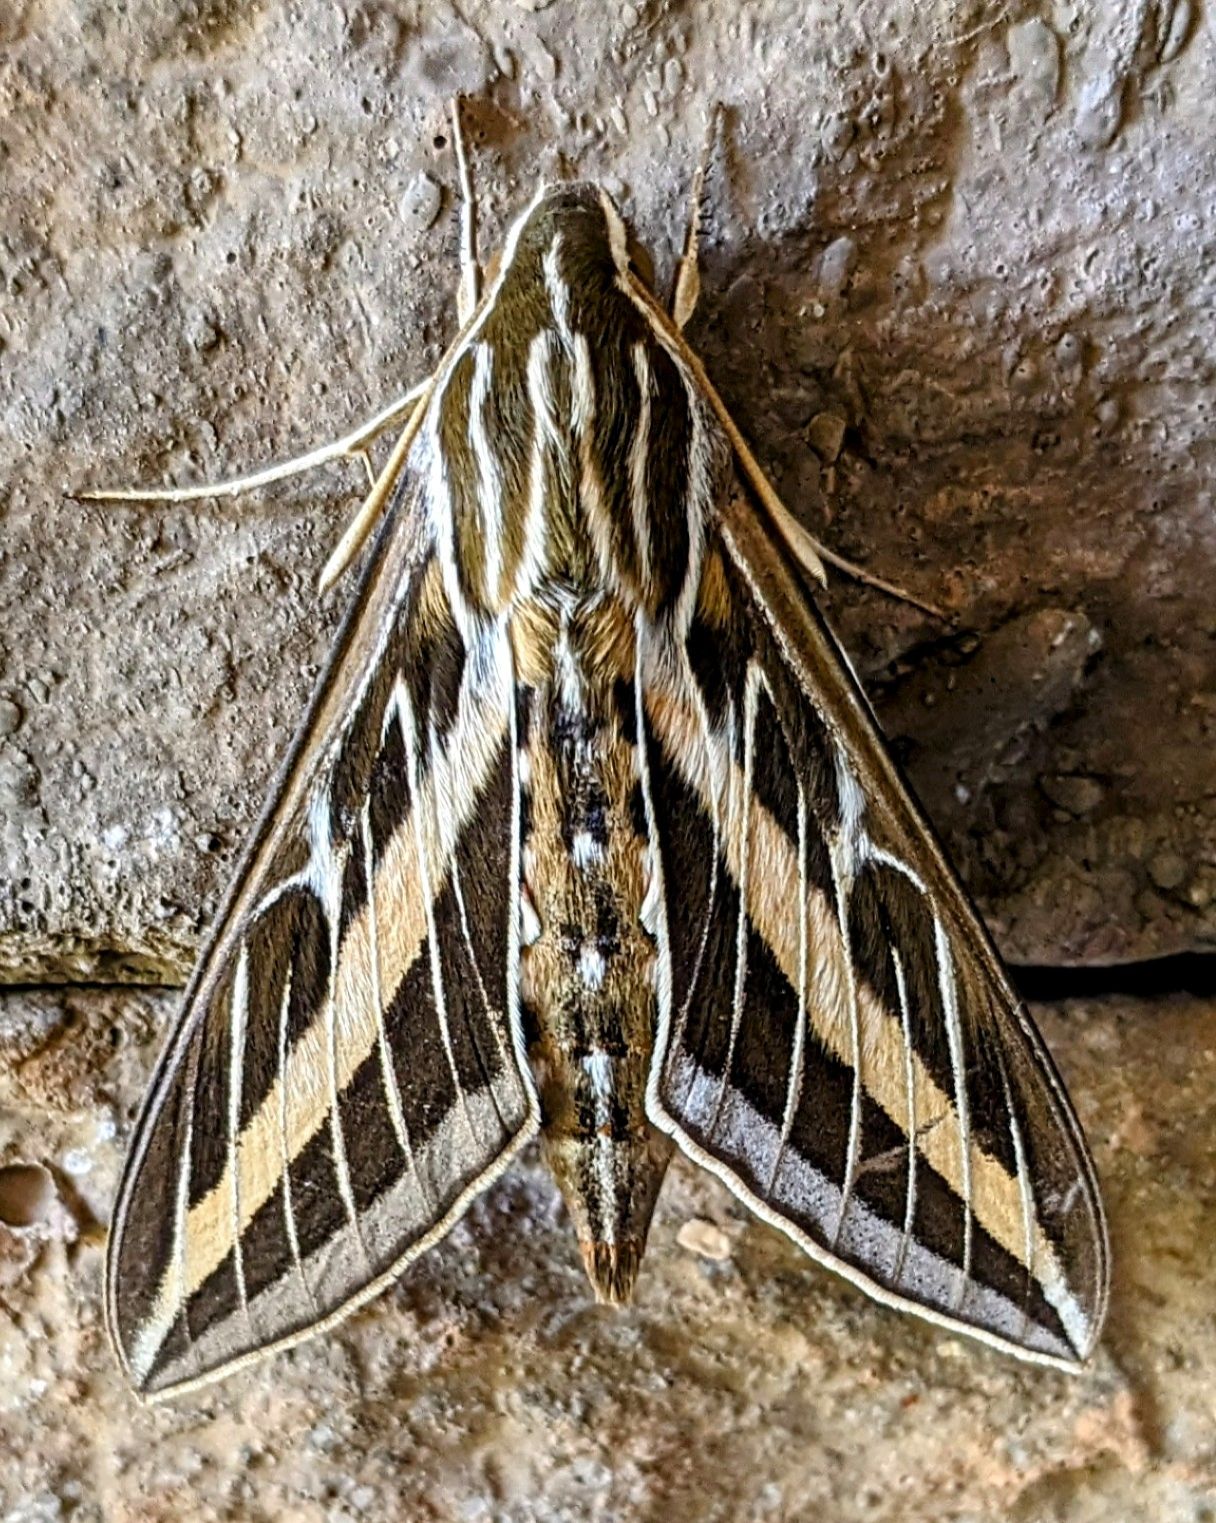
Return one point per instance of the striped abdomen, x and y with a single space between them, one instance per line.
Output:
588 961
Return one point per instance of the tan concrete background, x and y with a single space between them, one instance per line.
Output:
959 285
745 1384
959 290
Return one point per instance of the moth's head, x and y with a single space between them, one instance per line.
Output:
583 222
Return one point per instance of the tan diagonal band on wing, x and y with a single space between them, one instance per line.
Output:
299 1101
772 887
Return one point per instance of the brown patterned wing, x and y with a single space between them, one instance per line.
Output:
344 1076
838 1041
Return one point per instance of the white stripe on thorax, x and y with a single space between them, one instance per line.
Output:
439 494
489 476
639 454
546 436
582 408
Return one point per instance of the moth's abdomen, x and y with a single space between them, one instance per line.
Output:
588 962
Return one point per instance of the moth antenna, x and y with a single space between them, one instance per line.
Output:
470 269
352 445
688 277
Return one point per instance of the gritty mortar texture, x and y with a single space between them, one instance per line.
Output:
959 286
745 1383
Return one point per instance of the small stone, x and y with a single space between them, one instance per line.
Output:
1107 413
1034 57
838 133
1024 377
825 434
1175 32
1069 354
673 73
1078 795
1101 111
323 1438
1167 869
619 120
201 332
533 5
77 1162
836 264
421 203
27 1193
10 716
19 780
705 1240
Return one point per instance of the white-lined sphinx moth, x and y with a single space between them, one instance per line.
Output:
589 834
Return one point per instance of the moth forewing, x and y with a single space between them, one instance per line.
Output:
589 832
322 1113
889 996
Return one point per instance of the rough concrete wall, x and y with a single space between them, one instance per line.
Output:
960 278
745 1385
960 270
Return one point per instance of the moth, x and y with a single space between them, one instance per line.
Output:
589 834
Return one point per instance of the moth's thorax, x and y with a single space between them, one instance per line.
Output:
588 961
568 444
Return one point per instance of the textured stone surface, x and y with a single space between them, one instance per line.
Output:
744 1384
959 286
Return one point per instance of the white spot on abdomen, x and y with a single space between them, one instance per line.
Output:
598 1068
591 965
586 850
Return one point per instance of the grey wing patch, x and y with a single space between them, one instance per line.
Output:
348 1077
837 1039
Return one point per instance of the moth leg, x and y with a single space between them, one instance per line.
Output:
470 269
860 574
353 444
373 505
812 556
688 276
802 545
366 460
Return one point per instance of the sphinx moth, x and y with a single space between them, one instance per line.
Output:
589 834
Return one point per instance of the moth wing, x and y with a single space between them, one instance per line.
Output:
838 1041
344 1076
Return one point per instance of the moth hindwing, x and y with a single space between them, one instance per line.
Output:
588 833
